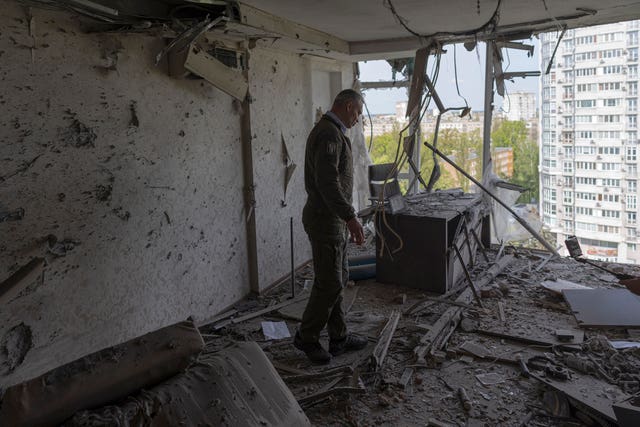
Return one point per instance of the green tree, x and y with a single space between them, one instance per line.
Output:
463 147
383 148
514 134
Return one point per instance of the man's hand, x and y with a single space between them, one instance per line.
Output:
356 232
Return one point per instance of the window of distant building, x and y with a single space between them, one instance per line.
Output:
567 196
567 167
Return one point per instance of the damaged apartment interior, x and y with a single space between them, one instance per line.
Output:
153 263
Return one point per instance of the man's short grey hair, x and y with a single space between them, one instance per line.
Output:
348 95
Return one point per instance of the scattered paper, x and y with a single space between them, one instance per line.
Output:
275 330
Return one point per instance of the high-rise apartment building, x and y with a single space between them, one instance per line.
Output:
521 105
589 139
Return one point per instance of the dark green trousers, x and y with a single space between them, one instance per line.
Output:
324 308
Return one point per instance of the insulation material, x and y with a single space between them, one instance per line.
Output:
101 377
237 386
504 227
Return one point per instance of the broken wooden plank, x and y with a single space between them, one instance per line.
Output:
255 23
381 348
442 329
330 384
501 314
481 352
19 280
216 318
321 374
228 80
441 298
267 310
286 368
406 377
446 301
334 391
544 262
550 342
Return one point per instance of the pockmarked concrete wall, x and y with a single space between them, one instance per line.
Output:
131 184
286 90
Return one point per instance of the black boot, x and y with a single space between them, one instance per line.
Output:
314 351
348 343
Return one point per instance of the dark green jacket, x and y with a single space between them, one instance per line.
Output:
328 179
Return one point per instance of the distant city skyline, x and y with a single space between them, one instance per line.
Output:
470 67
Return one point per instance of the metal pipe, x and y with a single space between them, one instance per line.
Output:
522 222
486 137
249 189
293 268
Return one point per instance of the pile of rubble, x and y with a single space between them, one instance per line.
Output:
515 355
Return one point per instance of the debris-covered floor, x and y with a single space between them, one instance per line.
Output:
471 375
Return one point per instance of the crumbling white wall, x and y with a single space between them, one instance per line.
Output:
153 210
295 87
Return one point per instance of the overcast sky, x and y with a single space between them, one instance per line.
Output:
470 67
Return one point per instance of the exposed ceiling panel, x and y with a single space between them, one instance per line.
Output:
373 29
362 20
356 29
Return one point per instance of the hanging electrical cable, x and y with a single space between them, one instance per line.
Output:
489 26
401 158
455 72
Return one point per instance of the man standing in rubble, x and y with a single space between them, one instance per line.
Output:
329 219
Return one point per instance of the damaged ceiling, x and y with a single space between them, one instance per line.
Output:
358 29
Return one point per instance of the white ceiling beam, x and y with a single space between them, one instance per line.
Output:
276 25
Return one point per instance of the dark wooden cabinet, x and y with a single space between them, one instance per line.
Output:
418 243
